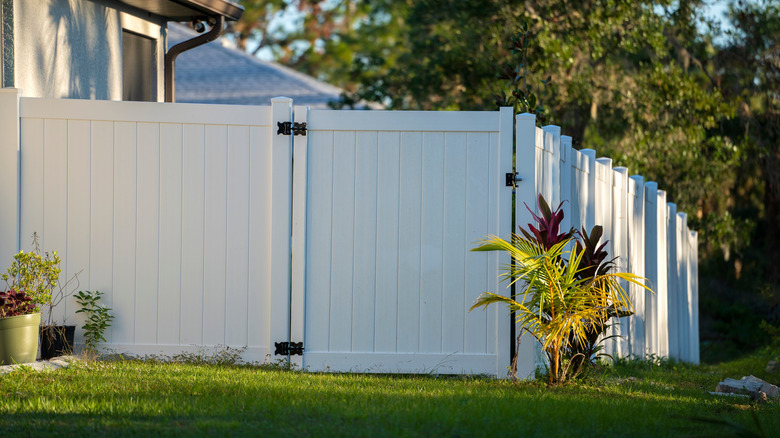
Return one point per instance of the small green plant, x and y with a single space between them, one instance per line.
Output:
34 274
98 317
518 93
568 295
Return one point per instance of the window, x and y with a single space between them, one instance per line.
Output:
138 68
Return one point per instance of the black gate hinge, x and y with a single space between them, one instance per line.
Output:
512 179
290 128
289 348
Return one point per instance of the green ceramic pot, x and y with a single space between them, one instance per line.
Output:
19 338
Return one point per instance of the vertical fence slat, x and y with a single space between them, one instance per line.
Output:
148 233
478 167
682 286
604 217
388 220
318 238
693 278
636 265
192 231
76 255
215 236
527 190
409 238
237 263
567 171
620 247
124 232
455 164
261 259
673 300
365 249
432 241
101 211
170 248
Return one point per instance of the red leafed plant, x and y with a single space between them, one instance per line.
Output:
547 231
13 303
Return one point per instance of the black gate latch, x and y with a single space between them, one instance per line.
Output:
512 179
288 348
290 128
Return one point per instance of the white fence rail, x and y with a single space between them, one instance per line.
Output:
200 231
647 234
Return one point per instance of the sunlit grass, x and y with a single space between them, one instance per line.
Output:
143 398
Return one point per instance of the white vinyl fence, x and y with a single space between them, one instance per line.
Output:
179 214
648 235
204 226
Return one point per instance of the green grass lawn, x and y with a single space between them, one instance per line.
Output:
149 398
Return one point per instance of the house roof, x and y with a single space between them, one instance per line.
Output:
187 10
216 74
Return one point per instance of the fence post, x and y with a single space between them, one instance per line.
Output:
9 174
693 281
527 190
504 196
673 300
299 199
589 155
603 217
682 286
281 225
652 326
636 263
552 165
619 192
566 164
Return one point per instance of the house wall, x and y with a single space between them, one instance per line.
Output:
73 48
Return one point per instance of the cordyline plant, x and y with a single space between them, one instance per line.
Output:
568 295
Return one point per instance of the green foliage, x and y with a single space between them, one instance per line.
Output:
558 306
98 318
521 95
33 274
14 303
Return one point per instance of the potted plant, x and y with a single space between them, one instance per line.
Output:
37 276
19 323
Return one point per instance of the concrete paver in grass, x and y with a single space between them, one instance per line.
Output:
41 365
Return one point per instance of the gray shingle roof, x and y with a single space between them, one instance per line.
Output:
213 73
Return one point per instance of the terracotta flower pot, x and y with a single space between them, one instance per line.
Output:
19 338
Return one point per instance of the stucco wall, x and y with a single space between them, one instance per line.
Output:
72 48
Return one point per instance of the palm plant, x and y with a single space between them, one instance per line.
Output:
559 306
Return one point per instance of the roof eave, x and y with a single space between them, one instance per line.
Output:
187 10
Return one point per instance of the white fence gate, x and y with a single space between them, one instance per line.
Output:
394 203
204 226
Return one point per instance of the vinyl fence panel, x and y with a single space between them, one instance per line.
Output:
159 206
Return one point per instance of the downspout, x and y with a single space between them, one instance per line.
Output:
173 52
